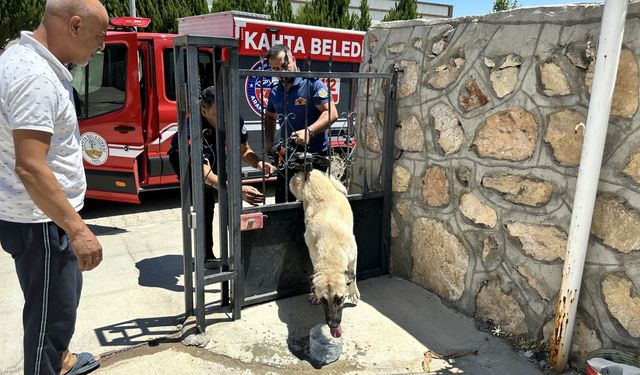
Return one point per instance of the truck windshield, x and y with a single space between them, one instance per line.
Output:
100 87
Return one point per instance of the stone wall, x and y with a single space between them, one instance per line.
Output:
487 147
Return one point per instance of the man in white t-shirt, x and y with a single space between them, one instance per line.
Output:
42 181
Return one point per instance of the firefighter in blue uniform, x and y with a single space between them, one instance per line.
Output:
302 99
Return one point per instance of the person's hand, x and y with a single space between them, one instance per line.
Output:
252 195
269 169
300 136
87 249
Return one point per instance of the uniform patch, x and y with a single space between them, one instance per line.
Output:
301 101
323 93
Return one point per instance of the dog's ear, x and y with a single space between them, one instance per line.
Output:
350 275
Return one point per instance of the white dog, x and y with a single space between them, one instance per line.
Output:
332 246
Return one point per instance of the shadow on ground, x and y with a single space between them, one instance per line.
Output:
149 202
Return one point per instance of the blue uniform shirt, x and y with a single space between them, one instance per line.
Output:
304 93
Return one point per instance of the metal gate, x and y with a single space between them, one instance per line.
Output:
263 255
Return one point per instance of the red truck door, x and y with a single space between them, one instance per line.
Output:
107 95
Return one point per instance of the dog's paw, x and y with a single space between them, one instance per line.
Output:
313 299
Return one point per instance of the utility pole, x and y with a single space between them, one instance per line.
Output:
132 7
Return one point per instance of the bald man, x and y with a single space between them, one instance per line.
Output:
42 181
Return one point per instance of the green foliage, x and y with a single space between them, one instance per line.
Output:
404 10
327 13
500 5
18 15
282 11
364 21
164 14
252 6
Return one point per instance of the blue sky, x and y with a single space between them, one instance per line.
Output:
477 7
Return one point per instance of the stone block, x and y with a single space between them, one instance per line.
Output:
623 302
473 209
563 137
625 94
408 79
472 97
542 242
504 81
533 281
440 260
435 191
553 80
402 208
409 135
445 75
501 308
633 167
520 190
616 224
396 48
369 134
400 180
509 135
450 131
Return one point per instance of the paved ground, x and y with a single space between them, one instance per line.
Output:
135 296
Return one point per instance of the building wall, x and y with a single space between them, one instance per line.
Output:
487 149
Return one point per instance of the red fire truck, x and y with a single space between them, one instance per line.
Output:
125 97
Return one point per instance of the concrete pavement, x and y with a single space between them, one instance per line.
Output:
136 296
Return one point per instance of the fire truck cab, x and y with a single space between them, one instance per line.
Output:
126 96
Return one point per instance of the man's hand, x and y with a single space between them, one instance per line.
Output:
302 135
269 169
87 249
252 195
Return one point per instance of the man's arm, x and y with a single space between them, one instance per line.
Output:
31 148
210 178
321 124
251 158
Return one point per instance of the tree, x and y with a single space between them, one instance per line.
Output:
403 10
16 15
252 6
364 21
282 11
164 14
327 13
500 5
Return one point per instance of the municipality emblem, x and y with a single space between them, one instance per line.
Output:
257 89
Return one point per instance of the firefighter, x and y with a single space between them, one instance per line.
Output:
250 194
42 180
303 99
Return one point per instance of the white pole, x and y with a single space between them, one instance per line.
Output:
604 78
132 7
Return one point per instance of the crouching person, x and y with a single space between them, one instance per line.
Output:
250 194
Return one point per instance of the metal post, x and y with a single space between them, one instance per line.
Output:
387 167
197 176
610 41
185 190
132 7
235 184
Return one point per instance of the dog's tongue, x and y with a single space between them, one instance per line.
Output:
336 332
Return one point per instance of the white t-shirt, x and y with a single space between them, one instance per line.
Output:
35 94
